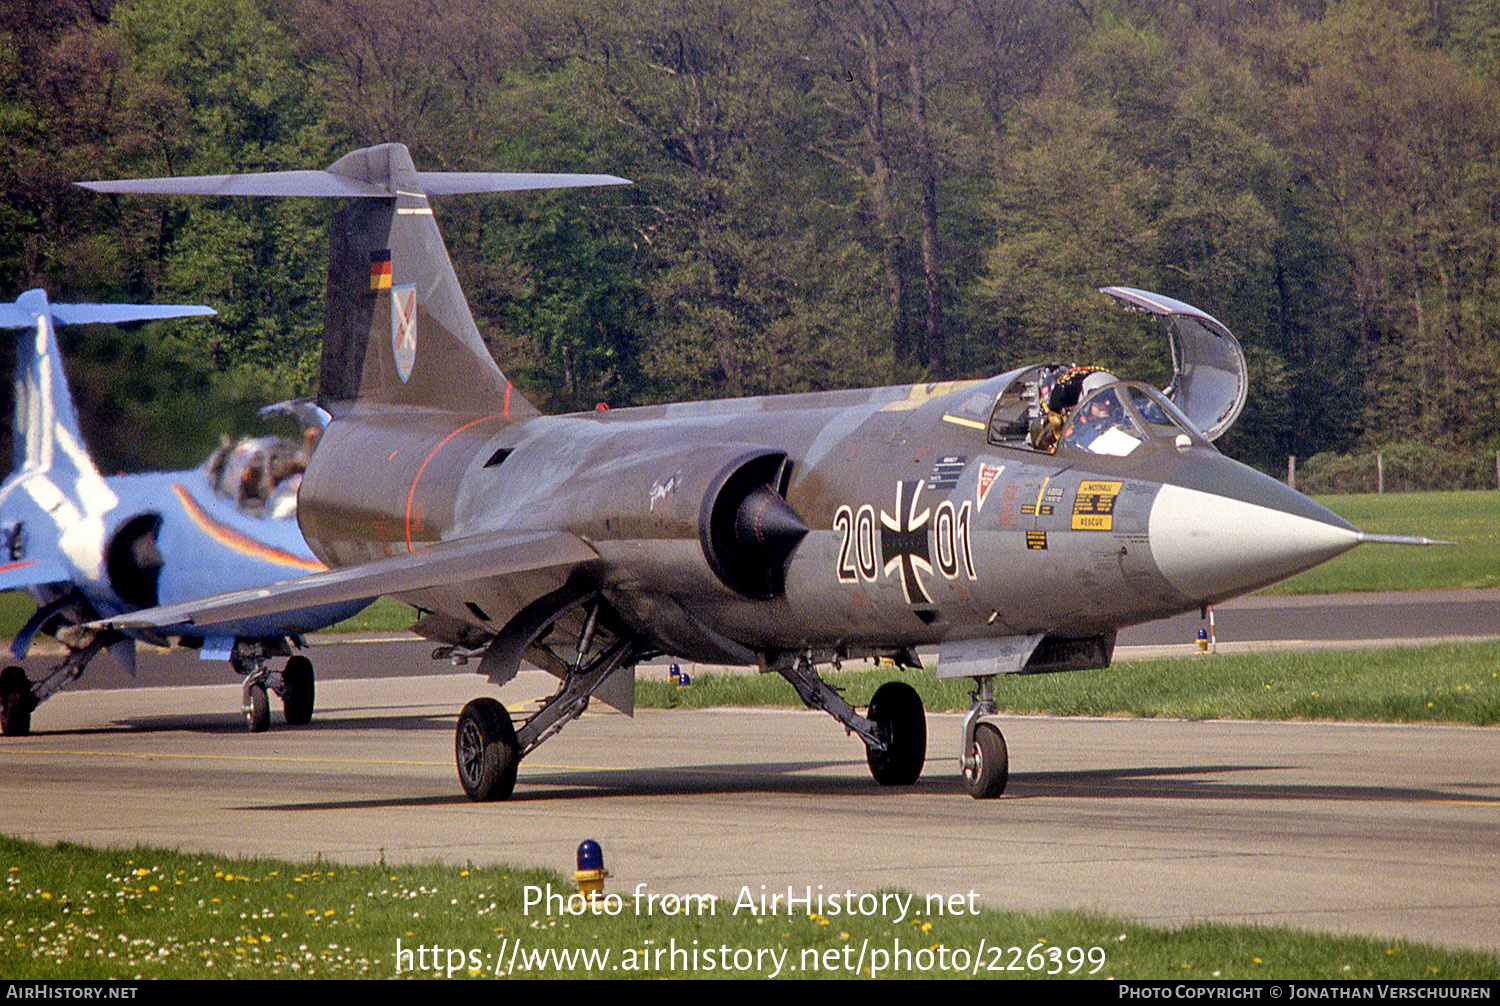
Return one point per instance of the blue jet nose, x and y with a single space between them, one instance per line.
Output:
1220 529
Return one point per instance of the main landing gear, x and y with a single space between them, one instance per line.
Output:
488 746
294 683
894 732
16 702
983 757
19 696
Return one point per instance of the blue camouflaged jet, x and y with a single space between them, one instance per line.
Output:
86 546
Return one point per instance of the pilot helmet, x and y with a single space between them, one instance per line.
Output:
1096 380
1113 411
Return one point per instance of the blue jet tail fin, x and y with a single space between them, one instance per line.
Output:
47 436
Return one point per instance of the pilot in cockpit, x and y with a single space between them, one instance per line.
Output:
1058 393
1098 416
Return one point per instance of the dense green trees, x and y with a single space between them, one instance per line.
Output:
826 193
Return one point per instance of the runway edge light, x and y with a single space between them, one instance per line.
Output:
591 872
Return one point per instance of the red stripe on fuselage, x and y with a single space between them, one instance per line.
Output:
411 494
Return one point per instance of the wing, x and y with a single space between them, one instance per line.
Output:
463 560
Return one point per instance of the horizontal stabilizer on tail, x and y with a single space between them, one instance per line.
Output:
119 314
271 183
33 304
49 450
458 561
458 183
335 184
397 330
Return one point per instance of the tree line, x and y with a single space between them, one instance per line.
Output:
827 194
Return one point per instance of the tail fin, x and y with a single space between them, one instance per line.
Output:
397 329
47 437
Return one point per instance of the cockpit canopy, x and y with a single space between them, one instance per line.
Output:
1209 377
260 474
1114 419
1056 406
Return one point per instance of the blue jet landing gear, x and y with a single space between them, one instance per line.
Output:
293 683
19 696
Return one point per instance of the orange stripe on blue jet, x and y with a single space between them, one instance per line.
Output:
231 538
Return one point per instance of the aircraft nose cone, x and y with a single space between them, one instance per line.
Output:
1244 532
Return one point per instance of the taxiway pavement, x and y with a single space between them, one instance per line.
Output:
1246 624
1377 830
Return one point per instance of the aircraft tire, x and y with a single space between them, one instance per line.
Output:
16 702
258 710
986 780
896 709
299 690
487 751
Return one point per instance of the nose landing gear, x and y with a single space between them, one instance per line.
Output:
983 757
294 683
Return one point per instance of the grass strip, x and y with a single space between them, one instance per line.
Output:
1456 683
71 912
1469 519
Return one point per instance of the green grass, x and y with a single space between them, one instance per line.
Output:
386 615
75 913
1472 519
1438 684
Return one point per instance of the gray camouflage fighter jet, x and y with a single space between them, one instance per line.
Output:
1011 524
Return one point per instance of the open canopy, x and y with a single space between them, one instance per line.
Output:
1209 380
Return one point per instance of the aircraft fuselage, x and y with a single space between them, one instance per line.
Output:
919 530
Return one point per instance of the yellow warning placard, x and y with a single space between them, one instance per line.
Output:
1094 506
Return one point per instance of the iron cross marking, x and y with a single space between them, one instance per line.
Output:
904 542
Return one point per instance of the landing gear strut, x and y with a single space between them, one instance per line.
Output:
294 683
894 732
19 696
983 757
489 747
